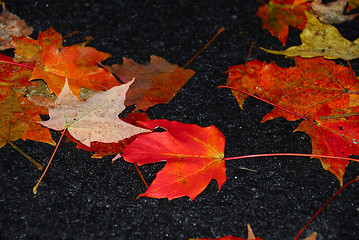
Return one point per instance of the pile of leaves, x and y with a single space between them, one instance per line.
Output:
84 98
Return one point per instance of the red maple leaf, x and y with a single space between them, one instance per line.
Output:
278 15
194 156
334 133
314 89
13 76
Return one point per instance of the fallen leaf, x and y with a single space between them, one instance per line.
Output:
19 119
95 119
31 116
334 133
13 77
194 156
77 64
28 49
297 2
319 39
156 82
40 95
229 237
302 89
332 13
11 129
278 15
11 26
353 3
105 149
313 236
306 89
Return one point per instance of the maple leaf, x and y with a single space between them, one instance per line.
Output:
332 13
95 119
104 149
19 119
229 237
156 82
353 3
11 26
39 94
319 39
334 133
28 49
304 90
31 116
13 77
194 156
10 128
78 65
277 15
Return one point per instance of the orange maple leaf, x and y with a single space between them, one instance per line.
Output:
156 82
305 91
194 156
19 119
277 15
28 49
76 63
31 116
229 237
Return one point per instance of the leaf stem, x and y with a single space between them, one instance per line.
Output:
263 100
325 204
249 52
143 179
205 46
262 2
38 165
34 190
292 155
15 63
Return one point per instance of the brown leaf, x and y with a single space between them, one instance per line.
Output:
156 82
332 13
11 26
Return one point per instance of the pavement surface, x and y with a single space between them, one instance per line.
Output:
85 198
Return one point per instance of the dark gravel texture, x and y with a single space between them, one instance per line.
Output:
84 198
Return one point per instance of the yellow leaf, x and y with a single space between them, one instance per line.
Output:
10 128
319 39
353 3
